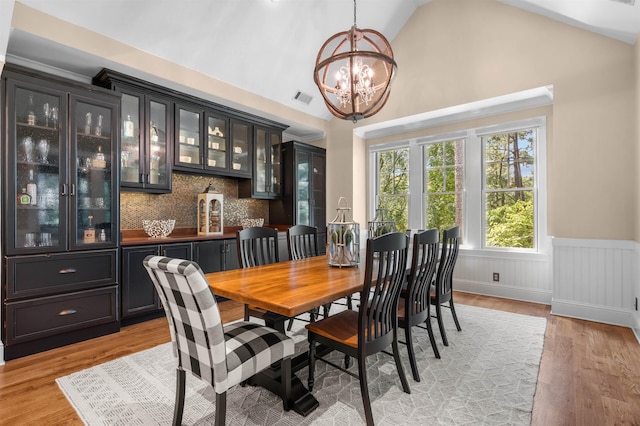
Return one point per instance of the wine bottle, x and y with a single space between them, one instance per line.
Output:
127 127
98 161
24 199
30 112
32 188
153 133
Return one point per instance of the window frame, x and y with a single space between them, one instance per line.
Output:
474 214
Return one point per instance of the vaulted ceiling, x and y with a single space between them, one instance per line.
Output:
234 41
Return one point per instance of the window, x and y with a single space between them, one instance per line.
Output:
485 180
444 184
392 187
509 189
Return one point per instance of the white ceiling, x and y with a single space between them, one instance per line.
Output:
231 39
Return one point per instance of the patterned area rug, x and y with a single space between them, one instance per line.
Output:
487 375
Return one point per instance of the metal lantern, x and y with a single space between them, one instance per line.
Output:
343 236
380 224
210 212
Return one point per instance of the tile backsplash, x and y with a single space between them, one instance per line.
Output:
181 204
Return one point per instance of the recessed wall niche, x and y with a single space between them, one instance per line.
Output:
181 204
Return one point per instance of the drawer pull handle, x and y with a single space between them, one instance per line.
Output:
68 271
68 312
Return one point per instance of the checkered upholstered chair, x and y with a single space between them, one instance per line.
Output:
221 356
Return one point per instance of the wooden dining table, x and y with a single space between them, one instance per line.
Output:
284 290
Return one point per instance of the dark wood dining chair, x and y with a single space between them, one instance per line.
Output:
257 246
222 356
374 326
415 302
302 243
442 291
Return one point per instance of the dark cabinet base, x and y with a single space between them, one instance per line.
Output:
36 346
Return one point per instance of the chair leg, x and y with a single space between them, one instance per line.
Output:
312 362
364 390
412 355
290 324
221 409
179 405
327 308
441 325
455 317
432 338
285 382
396 357
246 312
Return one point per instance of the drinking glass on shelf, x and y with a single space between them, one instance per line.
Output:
46 110
54 117
43 150
27 146
30 239
45 239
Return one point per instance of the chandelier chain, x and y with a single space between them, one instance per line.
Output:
354 13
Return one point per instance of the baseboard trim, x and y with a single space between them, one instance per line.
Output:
603 314
505 292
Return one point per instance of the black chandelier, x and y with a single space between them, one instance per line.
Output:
353 72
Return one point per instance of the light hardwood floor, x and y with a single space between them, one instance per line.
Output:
589 374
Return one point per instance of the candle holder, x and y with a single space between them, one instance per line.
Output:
381 224
210 212
344 238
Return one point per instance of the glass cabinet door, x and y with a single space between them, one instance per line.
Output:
158 166
217 143
36 169
131 166
276 149
143 155
92 194
188 137
303 197
240 144
261 164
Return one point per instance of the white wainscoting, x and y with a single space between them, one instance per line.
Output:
596 280
523 276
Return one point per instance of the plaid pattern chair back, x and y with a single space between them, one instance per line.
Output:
385 273
448 257
194 318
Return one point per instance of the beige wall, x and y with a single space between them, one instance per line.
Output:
458 51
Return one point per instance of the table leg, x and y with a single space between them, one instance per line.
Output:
302 401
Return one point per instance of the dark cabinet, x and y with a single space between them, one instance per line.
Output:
217 255
146 135
139 295
60 210
303 189
266 180
208 142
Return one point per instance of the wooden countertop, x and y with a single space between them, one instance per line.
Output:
136 237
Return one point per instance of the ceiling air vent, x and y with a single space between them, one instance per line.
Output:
303 97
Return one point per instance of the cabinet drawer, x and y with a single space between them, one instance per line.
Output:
47 316
39 275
